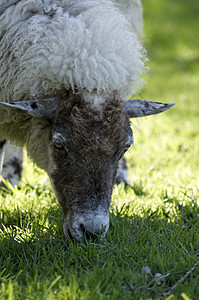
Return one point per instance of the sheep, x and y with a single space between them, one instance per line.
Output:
66 69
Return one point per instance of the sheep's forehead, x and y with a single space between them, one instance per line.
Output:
85 125
94 100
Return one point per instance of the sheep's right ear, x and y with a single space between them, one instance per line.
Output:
38 108
140 108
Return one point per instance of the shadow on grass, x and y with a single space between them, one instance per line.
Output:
26 228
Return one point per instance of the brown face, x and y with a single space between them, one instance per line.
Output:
86 145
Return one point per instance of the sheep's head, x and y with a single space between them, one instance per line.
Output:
81 144
87 143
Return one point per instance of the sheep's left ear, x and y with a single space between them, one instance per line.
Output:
37 108
140 108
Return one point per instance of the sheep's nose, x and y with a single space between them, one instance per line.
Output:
89 226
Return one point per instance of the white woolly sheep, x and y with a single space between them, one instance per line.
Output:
66 69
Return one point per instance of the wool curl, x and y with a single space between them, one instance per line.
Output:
49 46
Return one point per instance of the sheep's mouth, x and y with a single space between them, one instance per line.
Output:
87 236
70 235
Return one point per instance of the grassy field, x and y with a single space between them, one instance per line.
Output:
156 258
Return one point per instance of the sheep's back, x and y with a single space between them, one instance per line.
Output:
46 48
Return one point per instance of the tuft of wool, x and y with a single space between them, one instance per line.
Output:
133 12
49 46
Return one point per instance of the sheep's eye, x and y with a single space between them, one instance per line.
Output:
59 145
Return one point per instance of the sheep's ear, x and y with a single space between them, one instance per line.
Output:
37 108
140 108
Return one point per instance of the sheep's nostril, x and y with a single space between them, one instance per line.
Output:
82 227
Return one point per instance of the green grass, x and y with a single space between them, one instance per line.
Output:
37 262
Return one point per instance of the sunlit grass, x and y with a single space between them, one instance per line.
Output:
37 262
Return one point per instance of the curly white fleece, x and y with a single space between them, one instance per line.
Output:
48 46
